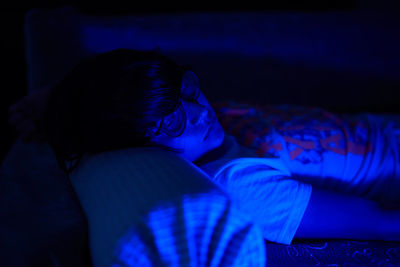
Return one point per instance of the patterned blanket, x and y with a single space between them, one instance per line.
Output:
307 132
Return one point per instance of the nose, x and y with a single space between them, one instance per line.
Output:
198 113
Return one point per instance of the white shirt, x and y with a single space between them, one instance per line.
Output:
261 187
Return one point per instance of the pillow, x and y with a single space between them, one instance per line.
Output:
151 206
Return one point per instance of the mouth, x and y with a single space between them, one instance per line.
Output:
209 129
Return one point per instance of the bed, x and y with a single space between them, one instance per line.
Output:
335 60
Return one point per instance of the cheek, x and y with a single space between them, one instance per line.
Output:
189 140
192 140
196 135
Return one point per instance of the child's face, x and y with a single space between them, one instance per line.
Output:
202 134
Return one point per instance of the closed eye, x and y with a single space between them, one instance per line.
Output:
174 119
169 121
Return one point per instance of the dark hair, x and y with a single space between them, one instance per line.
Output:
109 101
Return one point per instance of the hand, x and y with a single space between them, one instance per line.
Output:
26 114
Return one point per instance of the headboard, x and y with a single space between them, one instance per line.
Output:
344 60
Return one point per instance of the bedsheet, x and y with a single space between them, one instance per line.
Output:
349 253
53 199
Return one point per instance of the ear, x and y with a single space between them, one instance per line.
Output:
190 80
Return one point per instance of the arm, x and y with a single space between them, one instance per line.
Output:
27 112
334 215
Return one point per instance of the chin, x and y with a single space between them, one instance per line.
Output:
219 136
208 145
217 139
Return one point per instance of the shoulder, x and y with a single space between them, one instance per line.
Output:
241 159
262 164
250 170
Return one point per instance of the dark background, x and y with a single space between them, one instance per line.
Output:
13 78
